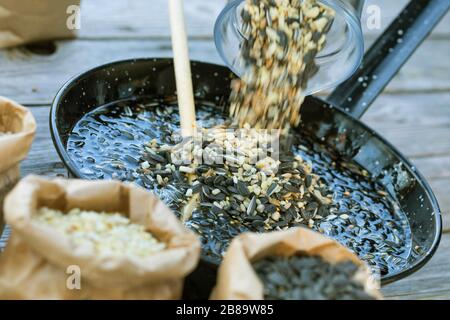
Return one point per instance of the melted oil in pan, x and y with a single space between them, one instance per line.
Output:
108 142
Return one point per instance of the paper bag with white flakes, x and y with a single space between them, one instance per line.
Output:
28 21
237 279
17 129
40 261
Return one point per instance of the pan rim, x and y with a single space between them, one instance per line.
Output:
68 163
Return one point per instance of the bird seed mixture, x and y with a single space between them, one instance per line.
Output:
105 233
283 37
254 193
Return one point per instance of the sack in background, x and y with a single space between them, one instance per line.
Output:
28 21
14 147
237 280
36 258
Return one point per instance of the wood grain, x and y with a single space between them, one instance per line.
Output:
116 19
431 282
43 158
425 118
102 19
35 79
412 109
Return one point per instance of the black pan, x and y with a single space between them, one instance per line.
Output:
326 120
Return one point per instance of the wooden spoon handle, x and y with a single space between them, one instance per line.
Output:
182 68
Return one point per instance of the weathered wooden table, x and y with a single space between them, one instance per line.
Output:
413 113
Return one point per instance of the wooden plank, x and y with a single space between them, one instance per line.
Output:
431 282
4 236
142 18
425 118
414 109
41 76
441 188
434 168
427 70
35 79
43 158
420 141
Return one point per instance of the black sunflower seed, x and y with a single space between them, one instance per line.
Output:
252 206
308 181
271 189
242 189
270 208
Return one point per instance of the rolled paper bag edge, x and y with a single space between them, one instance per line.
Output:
20 122
237 279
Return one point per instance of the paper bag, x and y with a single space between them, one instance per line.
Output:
28 21
237 280
17 129
38 260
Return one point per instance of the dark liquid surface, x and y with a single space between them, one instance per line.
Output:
109 142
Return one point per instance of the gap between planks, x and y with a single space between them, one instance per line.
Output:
143 18
35 79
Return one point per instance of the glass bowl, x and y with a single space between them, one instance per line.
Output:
337 61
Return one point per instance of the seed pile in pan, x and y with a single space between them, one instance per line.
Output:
282 40
270 195
112 142
309 278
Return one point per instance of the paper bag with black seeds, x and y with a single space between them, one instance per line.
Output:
17 129
75 239
27 21
237 277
